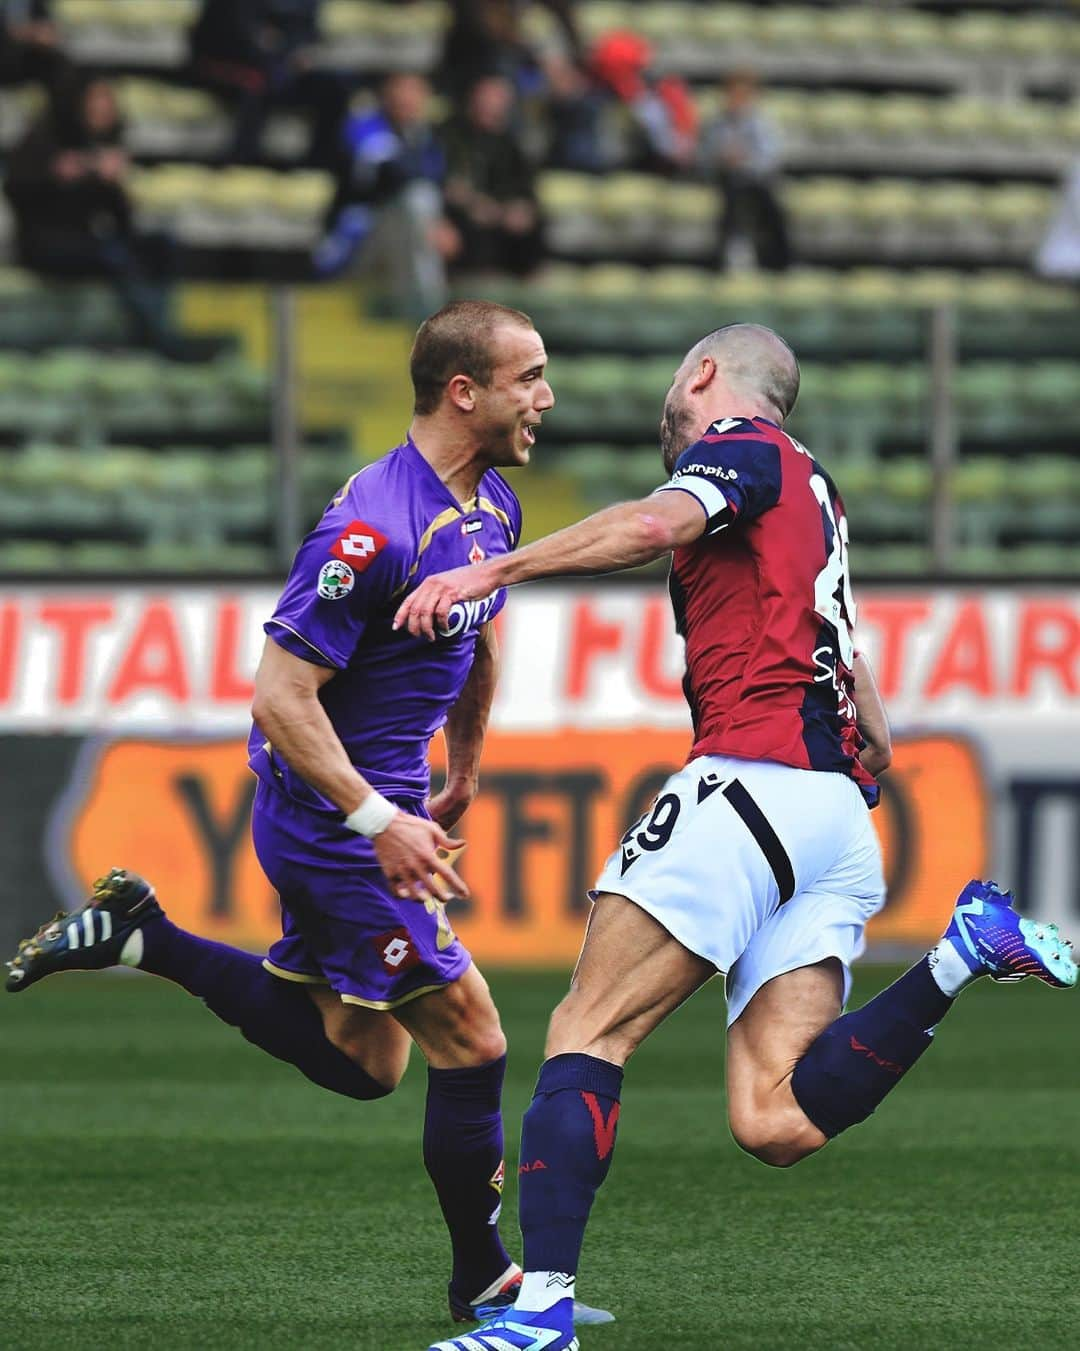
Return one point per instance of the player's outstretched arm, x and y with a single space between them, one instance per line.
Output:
288 712
623 536
466 726
872 720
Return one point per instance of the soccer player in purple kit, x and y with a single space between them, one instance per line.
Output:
344 710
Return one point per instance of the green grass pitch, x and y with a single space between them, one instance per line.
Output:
166 1185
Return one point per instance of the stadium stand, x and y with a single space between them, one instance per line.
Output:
923 145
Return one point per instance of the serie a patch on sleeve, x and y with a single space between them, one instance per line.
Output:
336 580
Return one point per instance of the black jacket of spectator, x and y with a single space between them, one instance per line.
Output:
485 38
51 181
255 53
250 39
30 43
490 184
73 217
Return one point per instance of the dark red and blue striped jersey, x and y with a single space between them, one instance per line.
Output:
763 601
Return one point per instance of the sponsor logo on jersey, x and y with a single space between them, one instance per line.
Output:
466 615
358 545
708 470
336 580
472 527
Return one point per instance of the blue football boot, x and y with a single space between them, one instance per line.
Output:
89 938
992 939
502 1294
517 1330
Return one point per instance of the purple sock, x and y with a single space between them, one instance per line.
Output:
463 1153
271 1013
567 1142
860 1058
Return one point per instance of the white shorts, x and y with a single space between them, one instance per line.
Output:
758 867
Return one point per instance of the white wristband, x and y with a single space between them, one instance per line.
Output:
372 816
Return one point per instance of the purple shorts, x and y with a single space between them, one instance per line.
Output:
341 925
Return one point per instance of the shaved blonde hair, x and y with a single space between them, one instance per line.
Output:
753 358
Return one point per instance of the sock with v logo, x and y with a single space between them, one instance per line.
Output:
567 1143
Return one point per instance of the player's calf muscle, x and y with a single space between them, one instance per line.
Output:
578 1028
777 1133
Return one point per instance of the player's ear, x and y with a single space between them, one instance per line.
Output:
461 392
703 376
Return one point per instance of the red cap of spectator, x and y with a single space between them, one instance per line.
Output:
619 60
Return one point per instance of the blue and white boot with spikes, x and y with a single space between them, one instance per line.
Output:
518 1330
992 939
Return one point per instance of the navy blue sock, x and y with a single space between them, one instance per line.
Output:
463 1153
861 1057
567 1143
272 1013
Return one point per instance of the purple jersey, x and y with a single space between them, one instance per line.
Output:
393 524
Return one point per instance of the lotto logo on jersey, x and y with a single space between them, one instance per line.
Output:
358 545
396 950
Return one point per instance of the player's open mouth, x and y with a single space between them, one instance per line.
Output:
529 432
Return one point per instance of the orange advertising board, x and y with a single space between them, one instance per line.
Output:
551 808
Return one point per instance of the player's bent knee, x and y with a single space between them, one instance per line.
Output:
488 1046
469 1031
780 1143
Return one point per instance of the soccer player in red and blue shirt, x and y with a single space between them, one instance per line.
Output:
757 859
345 707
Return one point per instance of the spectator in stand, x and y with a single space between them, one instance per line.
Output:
388 207
575 111
645 123
741 150
490 185
30 44
258 54
66 182
485 37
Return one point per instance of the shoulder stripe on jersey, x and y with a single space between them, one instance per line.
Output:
306 641
446 517
347 485
713 501
485 504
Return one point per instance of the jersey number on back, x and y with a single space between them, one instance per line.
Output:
833 600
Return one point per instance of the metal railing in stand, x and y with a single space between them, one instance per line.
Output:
942 436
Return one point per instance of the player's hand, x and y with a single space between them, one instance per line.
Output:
407 851
428 607
451 803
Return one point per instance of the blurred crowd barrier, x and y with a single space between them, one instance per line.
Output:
124 718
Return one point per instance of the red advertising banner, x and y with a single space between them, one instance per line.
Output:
982 685
597 656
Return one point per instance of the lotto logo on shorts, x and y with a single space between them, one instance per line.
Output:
358 545
396 950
